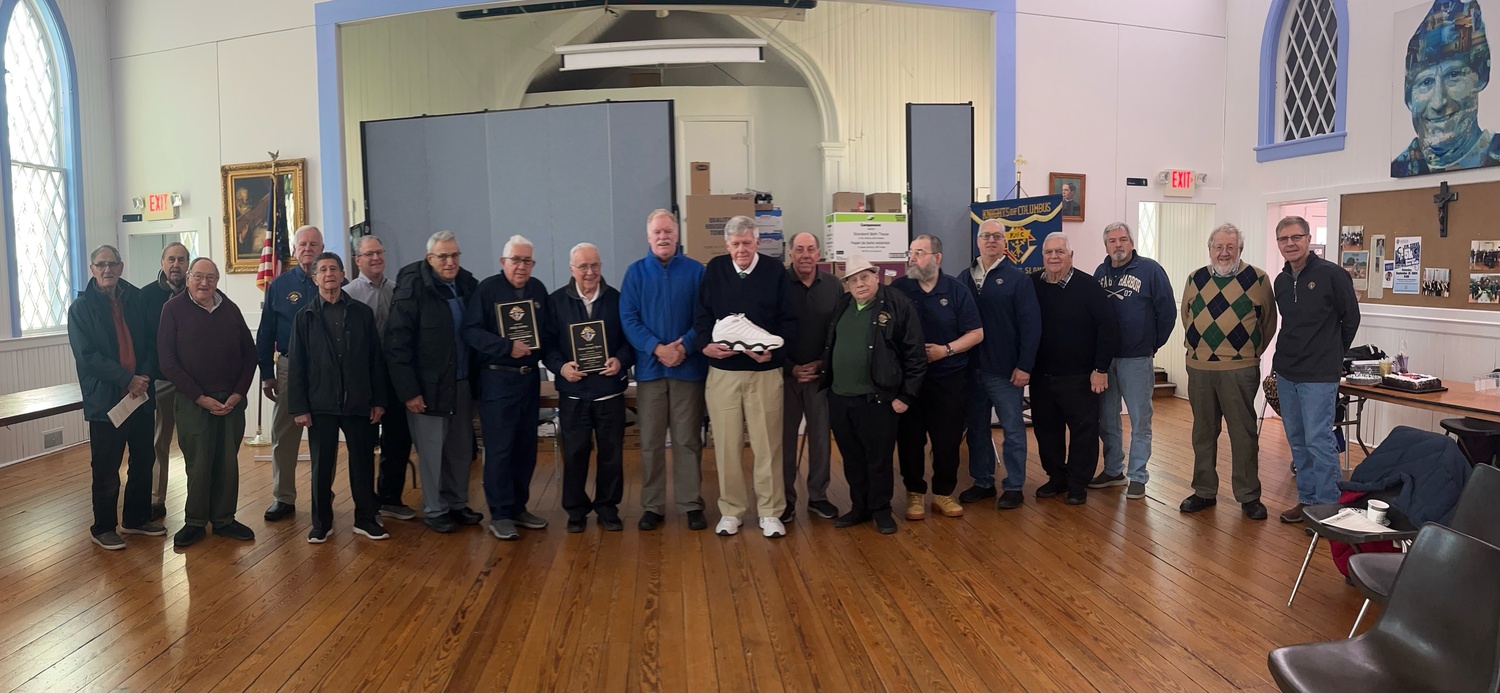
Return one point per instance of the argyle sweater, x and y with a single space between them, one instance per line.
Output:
1229 321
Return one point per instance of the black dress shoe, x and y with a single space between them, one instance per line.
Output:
611 522
1078 497
279 510
649 521
1254 510
440 523
576 524
696 521
1055 487
187 536
885 523
1195 503
465 516
235 530
1010 500
974 494
851 518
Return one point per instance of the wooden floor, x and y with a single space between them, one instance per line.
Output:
1115 595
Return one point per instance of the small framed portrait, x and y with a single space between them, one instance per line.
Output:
247 207
1071 187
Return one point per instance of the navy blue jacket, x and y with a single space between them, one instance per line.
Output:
1011 318
565 307
96 353
1144 302
1319 319
287 295
490 348
1427 467
420 349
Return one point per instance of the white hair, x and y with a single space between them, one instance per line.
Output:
440 237
741 226
513 242
660 213
581 246
304 229
1067 243
1228 228
1119 225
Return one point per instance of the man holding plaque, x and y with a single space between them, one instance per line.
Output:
503 326
590 358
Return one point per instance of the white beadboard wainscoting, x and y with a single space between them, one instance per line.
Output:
27 364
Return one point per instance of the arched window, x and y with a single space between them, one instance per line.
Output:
39 154
1303 78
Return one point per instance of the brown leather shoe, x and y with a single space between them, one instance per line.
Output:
916 506
1294 515
947 506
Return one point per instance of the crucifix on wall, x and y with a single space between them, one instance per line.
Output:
1441 199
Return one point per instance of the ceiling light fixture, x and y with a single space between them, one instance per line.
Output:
595 56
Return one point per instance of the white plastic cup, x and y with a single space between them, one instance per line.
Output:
1376 511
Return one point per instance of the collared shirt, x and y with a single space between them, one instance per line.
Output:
333 317
449 292
1233 271
745 271
947 312
978 271
588 301
285 297
218 298
377 297
814 307
1065 278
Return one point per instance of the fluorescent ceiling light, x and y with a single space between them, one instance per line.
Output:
594 56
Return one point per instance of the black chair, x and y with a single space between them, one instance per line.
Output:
1479 439
1439 633
1316 517
1477 515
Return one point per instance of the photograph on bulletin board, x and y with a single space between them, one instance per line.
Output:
1436 282
1357 264
1352 238
1484 256
1484 288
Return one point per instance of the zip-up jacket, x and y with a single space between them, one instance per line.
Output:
1319 318
656 307
1143 299
898 355
494 368
285 297
420 349
96 350
565 307
342 375
1011 318
153 297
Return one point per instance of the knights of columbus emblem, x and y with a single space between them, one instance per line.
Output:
1019 244
588 334
516 313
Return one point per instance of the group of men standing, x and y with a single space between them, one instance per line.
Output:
883 370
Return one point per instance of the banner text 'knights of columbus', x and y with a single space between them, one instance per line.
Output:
1027 222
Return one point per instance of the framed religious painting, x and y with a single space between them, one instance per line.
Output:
1071 187
250 199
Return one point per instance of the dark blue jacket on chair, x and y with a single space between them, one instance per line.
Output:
1427 467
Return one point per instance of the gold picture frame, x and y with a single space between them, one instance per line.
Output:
246 191
1073 210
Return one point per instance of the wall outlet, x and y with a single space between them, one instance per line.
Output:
52 439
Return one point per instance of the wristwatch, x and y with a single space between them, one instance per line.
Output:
949 347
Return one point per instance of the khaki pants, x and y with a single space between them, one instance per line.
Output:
286 441
739 401
166 425
1228 396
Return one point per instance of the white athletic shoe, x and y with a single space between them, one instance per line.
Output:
771 527
729 526
739 334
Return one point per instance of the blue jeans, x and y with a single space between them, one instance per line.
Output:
1131 380
996 391
1307 411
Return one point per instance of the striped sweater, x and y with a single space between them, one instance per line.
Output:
1229 321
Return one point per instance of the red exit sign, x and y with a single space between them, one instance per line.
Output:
1181 183
159 206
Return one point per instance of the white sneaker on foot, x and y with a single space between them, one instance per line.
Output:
739 334
771 527
729 526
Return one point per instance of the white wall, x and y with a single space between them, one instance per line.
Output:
783 120
1115 90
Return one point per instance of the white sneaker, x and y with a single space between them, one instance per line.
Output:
729 526
739 334
771 527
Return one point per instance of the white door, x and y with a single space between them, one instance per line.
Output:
1175 234
725 145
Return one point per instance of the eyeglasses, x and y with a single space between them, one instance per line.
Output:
444 257
1294 238
1223 248
591 267
200 277
523 261
991 236
373 253
101 266
916 254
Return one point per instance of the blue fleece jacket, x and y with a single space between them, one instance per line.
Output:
1011 317
656 307
1144 302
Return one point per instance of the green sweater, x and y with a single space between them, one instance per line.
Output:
1229 321
851 354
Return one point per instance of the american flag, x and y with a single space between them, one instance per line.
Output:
270 259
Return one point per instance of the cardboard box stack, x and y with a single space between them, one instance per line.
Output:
878 237
772 233
705 216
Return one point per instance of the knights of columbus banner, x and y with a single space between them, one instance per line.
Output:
1027 222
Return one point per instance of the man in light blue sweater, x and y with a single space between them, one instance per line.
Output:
657 300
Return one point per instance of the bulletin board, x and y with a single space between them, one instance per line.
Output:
1412 213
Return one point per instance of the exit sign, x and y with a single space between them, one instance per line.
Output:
159 206
1181 183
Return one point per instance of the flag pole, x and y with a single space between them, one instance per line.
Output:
260 439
